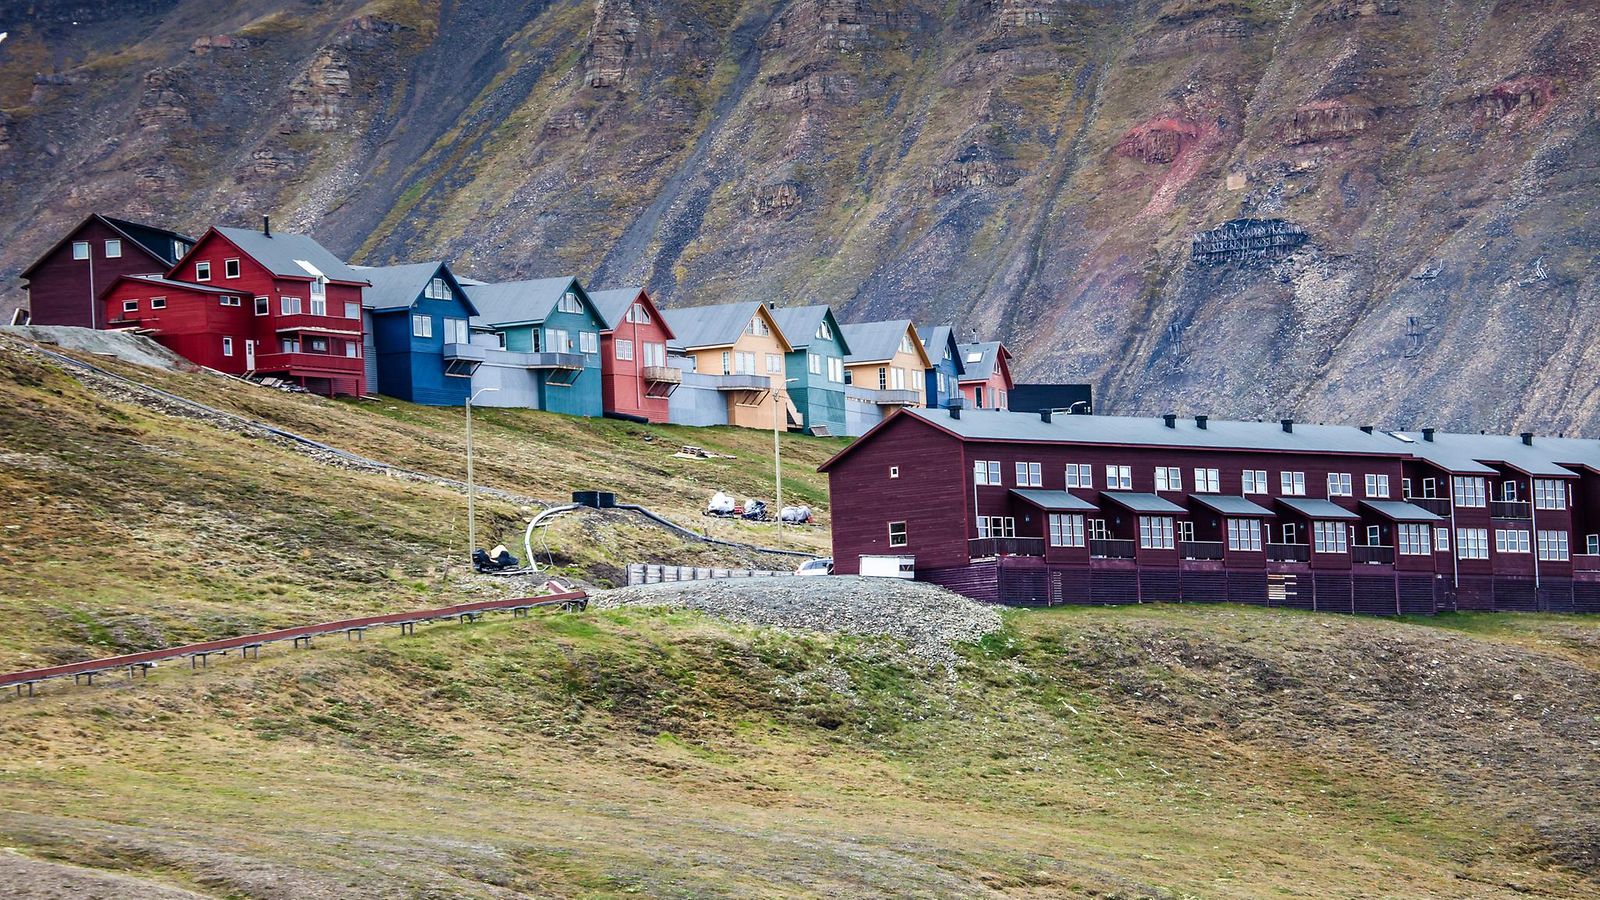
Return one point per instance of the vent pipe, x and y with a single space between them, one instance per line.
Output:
1527 438
1288 425
1427 435
266 226
955 412
1044 415
1368 429
1200 422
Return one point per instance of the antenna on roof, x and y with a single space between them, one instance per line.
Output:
266 225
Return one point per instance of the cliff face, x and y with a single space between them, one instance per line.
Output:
1366 210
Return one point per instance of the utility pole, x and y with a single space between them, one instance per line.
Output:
777 451
472 517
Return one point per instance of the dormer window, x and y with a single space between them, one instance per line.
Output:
905 344
569 303
975 356
202 271
757 327
824 333
638 315
438 289
319 288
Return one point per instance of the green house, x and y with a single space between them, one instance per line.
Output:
549 330
815 368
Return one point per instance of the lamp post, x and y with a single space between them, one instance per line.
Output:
472 518
777 451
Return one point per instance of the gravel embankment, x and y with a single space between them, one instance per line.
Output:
929 619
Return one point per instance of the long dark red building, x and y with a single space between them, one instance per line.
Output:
1038 509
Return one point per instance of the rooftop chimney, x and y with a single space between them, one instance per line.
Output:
955 412
1527 438
1367 428
266 226
1427 435
1044 415
1200 422
1171 419
1288 425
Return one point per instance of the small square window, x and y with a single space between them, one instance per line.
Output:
230 268
113 249
158 303
894 471
202 271
80 249
897 534
130 306
263 306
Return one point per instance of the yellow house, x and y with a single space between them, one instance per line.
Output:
741 343
888 358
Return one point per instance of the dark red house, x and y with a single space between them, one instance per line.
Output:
66 285
636 380
254 302
1036 509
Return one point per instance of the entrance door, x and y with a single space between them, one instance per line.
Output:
249 356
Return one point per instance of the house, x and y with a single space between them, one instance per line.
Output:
417 319
734 371
549 329
1050 508
945 370
1071 399
636 382
67 284
886 370
251 302
814 369
986 383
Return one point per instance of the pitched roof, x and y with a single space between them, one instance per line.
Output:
876 341
1230 505
612 304
290 255
182 285
980 359
1142 502
1401 511
1470 453
397 287
1315 508
710 326
799 325
942 337
149 239
518 302
1052 500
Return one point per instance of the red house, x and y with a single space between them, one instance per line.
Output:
1038 509
66 284
633 355
986 375
254 303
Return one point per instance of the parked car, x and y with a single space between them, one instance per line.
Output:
815 567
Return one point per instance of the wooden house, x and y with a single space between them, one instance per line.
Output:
418 336
550 330
737 352
986 379
68 284
945 369
815 367
886 370
636 382
208 325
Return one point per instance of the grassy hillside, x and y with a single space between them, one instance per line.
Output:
126 528
1142 752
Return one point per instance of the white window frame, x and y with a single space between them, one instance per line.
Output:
588 342
1554 546
1472 543
894 471
1156 533
1329 537
814 363
1441 540
900 538
774 364
1080 475
1292 484
1469 491
1207 481
1169 478
113 248
1340 485
987 472
422 326
129 306
202 265
227 345
263 306
1030 474
1377 485
1119 478
836 369
352 310
1244 534
1512 540
1253 481
230 268
1066 530
80 249
622 349
456 330
289 306
1549 493
1412 539
158 303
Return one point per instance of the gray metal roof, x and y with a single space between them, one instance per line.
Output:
398 287
709 326
612 304
937 341
1054 500
1313 508
799 325
988 352
1140 502
1470 453
517 302
1229 505
1571 451
282 253
163 281
1400 511
875 341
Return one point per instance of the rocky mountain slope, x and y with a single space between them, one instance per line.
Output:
1328 209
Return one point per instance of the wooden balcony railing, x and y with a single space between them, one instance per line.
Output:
1200 549
1510 509
663 374
1371 553
320 363
1112 548
1439 506
1289 552
985 548
1584 562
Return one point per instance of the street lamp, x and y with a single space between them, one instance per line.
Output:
472 518
777 452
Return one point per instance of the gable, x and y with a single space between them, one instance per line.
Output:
96 227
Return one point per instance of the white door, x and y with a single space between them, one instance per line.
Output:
249 356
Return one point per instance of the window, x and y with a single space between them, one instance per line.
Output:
997 527
1292 484
557 340
824 332
1066 530
1155 532
1169 478
263 305
986 471
1185 531
894 471
624 349
1207 481
129 306
1374 536
227 346
1511 540
1244 534
727 366
422 326
588 342
455 332
1472 543
230 268
80 249
883 378
975 356
158 303
114 249
897 534
757 327
202 271
319 302
1080 475
906 346
898 378
1441 540
655 354
1430 488
229 300
1548 493
352 310
1030 475
1119 478
836 370
289 345
1412 540
1592 544
977 396
1291 534
289 306
1469 492
1508 491
352 349
437 289
1339 484
745 363
1553 546
1329 537
1255 481
317 345
1098 530
814 363
1000 400
774 364
569 303
1377 485
638 315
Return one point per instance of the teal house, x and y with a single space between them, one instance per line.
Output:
540 342
815 368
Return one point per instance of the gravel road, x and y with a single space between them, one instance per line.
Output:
929 619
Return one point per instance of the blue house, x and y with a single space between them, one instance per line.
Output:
542 339
944 376
815 367
415 314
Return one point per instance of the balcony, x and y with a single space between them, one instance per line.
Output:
1584 562
309 363
893 397
1289 553
1439 506
314 324
1510 509
987 548
567 361
663 375
1200 549
1372 554
1111 548
465 353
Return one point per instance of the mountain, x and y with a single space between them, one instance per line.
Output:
1362 210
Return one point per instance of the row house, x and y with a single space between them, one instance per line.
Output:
943 388
416 317
1049 508
814 367
536 346
886 370
733 359
637 383
986 380
67 284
